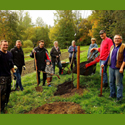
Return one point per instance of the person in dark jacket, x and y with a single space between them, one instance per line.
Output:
41 57
72 49
55 57
6 64
18 59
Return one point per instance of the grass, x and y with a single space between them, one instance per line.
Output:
21 102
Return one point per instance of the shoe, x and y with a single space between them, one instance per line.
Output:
49 85
112 96
118 100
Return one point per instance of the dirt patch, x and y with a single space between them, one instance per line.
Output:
39 88
67 89
58 108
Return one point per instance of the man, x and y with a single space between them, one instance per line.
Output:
41 57
55 57
18 59
104 52
6 64
72 49
116 61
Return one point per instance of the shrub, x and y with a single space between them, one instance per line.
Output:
28 44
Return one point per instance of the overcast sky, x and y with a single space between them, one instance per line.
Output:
48 15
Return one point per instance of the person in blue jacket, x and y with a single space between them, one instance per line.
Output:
72 49
92 45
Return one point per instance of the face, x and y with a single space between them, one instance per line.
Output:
73 43
117 40
4 46
56 44
47 63
18 45
41 44
92 41
103 36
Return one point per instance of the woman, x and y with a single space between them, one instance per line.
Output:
92 56
72 49
55 57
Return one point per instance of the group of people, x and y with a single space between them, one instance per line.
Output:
111 53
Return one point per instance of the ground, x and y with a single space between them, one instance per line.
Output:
58 108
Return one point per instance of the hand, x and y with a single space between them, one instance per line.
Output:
102 66
92 49
33 51
121 70
24 67
57 56
15 67
51 74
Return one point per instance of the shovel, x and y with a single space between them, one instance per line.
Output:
100 95
38 88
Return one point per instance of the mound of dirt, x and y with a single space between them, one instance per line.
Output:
67 89
58 108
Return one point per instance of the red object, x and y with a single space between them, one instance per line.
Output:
97 59
101 82
73 49
47 56
105 48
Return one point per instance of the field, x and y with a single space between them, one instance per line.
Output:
24 101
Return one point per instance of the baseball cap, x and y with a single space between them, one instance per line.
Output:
102 31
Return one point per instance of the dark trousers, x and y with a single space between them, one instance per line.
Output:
74 61
5 89
18 81
59 65
44 77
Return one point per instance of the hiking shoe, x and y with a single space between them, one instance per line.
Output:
49 85
118 101
112 96
17 89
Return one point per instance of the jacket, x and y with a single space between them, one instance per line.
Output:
119 57
41 56
18 56
89 53
55 53
49 69
70 50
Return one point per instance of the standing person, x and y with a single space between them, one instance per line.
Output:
104 52
49 70
116 61
18 59
55 57
41 56
90 55
6 64
72 49
92 45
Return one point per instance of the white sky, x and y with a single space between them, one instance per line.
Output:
48 15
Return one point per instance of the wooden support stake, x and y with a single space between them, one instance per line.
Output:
78 66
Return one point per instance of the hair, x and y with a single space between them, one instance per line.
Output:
2 41
41 41
73 41
18 41
118 35
55 42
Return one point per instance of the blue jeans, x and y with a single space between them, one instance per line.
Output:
115 76
18 81
105 78
59 65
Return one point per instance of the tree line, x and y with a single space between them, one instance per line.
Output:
68 25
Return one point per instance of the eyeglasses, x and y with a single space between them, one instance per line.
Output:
117 38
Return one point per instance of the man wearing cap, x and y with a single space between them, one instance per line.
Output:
104 52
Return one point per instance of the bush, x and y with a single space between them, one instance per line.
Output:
27 44
27 50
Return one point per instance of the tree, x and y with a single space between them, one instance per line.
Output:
40 22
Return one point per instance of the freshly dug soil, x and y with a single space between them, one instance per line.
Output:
39 88
67 89
58 108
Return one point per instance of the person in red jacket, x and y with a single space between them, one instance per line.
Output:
104 52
